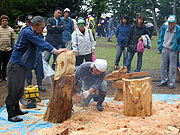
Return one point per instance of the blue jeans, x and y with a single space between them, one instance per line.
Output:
110 34
121 49
139 61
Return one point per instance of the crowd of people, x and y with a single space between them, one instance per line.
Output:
79 34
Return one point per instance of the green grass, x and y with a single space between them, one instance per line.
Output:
151 58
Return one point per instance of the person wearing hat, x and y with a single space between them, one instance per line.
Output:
66 35
169 45
39 66
83 43
92 75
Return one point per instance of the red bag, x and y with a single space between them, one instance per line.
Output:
140 46
93 57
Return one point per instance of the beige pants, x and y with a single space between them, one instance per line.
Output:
68 45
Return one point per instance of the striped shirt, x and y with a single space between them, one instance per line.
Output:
6 35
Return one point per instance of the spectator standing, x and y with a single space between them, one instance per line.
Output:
91 26
55 26
169 45
24 57
111 28
134 36
66 35
122 31
83 43
7 40
101 27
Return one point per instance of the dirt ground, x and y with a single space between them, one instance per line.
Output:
154 74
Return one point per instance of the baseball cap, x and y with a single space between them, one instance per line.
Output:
67 10
80 22
28 18
171 18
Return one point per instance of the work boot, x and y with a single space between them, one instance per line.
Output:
39 83
11 114
100 100
18 111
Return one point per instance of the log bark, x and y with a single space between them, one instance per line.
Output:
137 95
60 104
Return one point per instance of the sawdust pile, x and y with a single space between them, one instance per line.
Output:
88 121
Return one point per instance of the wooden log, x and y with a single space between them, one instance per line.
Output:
118 84
60 103
137 95
178 75
110 77
119 95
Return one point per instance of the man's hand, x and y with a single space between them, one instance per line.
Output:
84 94
59 51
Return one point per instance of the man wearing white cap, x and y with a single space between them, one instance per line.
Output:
66 35
169 45
92 75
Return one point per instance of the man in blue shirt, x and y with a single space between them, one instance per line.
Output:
24 56
66 35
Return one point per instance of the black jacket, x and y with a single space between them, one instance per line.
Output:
54 33
134 34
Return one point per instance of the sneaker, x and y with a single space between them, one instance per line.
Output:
115 67
162 84
171 87
109 40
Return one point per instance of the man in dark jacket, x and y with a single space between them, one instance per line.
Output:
55 27
134 36
24 56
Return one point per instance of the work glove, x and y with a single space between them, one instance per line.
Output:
84 94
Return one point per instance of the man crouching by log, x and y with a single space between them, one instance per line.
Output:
24 56
92 76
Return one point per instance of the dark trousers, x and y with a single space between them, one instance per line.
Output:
80 59
38 71
16 79
4 58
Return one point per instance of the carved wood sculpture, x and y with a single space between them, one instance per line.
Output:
137 95
116 77
60 102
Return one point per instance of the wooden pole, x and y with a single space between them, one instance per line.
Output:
60 103
137 95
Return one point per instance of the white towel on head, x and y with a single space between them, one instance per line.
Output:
100 64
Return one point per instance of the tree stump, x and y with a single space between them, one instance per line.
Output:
60 105
137 95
